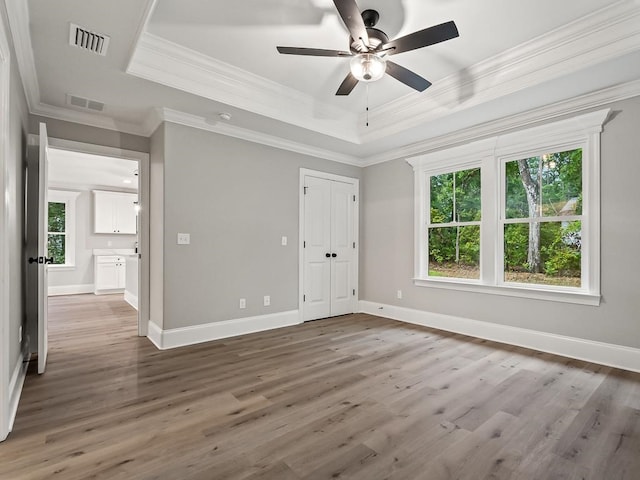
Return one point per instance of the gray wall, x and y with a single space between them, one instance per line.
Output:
387 250
16 163
156 226
87 134
86 241
236 199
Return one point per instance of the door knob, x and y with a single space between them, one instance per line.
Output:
327 255
334 255
41 260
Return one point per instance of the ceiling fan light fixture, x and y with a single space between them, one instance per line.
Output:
368 67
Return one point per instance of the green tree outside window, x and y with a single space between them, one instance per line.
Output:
454 224
543 219
57 235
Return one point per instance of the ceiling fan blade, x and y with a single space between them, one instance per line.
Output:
315 52
407 77
422 38
347 85
352 18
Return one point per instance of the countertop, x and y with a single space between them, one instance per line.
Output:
114 251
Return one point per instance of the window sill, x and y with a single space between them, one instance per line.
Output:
62 268
512 290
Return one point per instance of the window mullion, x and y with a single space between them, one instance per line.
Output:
489 230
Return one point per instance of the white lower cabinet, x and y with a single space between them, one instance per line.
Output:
110 274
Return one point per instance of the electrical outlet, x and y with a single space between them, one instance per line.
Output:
284 241
184 239
243 303
267 300
399 294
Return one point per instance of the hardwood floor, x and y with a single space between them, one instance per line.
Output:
353 397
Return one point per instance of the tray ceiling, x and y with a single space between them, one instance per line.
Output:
191 60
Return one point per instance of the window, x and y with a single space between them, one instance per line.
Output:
514 215
61 227
454 224
542 220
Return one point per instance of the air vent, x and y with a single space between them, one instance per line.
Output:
84 103
88 40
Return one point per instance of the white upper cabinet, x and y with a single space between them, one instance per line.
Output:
114 212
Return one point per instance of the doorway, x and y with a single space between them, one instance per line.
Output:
93 228
73 194
328 245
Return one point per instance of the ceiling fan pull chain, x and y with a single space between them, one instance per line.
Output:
367 124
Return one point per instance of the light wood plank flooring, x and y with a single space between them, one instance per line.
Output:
353 397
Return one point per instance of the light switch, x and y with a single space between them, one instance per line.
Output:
184 239
284 241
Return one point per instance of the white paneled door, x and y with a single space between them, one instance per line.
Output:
329 248
43 261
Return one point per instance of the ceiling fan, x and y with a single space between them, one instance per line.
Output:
369 48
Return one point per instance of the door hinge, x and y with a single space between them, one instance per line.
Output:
354 244
305 190
354 292
304 298
304 244
354 198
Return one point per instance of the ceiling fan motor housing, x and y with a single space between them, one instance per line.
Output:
376 38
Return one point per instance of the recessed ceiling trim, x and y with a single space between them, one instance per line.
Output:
605 34
18 16
167 63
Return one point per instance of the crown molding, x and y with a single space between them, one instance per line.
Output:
602 35
162 61
142 27
18 17
87 118
520 120
194 121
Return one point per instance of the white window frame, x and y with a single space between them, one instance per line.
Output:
491 155
69 199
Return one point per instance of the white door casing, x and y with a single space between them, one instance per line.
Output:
5 115
328 245
43 287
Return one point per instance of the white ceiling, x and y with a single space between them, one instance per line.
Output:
81 170
189 60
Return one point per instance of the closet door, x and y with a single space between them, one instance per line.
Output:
342 248
329 248
317 248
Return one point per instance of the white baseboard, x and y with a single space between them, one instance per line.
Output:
131 299
154 334
179 337
617 356
15 387
111 291
70 289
